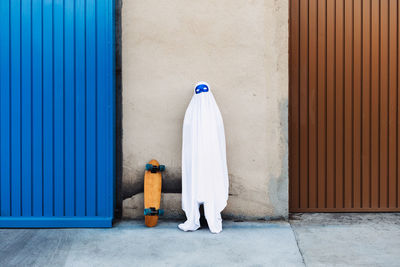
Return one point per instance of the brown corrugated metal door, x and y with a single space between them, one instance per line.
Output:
344 135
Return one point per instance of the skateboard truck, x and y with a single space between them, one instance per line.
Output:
155 168
153 212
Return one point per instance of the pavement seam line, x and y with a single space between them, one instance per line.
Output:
297 243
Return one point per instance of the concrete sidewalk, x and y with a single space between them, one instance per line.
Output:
132 244
355 239
312 240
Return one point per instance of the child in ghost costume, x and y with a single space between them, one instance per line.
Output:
204 168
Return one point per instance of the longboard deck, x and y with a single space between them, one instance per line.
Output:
152 193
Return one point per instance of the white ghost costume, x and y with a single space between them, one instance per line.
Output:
204 168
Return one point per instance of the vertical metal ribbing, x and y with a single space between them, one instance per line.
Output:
308 104
56 112
74 100
370 105
397 105
96 116
326 106
363 174
361 166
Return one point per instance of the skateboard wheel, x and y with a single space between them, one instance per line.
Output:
162 168
149 167
161 212
147 211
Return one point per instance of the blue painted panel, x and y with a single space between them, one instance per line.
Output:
37 108
55 222
80 107
15 76
5 109
56 113
91 83
26 102
59 178
48 109
69 111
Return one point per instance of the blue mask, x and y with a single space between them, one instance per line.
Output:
201 88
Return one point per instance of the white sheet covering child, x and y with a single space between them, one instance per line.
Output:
204 168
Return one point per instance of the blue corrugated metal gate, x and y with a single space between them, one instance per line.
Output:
56 113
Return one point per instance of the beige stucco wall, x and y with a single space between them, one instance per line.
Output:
240 47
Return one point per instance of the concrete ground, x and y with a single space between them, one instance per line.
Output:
309 239
348 239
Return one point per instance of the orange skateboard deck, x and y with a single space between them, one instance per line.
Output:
152 192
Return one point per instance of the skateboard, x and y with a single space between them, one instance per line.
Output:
152 192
